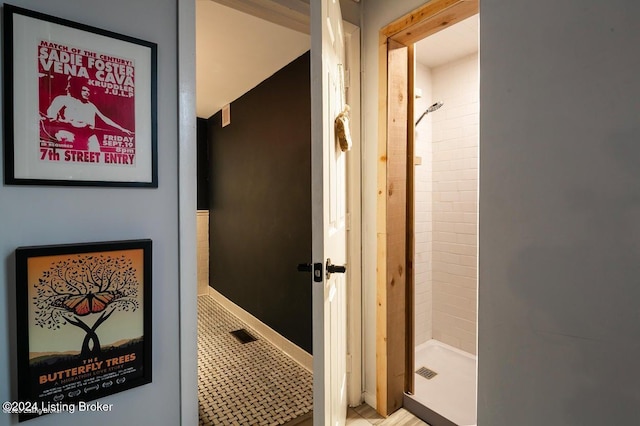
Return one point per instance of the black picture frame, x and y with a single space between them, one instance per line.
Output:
80 104
84 323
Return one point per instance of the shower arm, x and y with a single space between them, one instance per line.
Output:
432 108
423 114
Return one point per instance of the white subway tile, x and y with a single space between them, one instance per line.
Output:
445 236
471 218
422 247
470 283
460 317
449 338
470 135
444 226
468 185
443 207
454 159
471 174
467 228
471 196
468 239
468 260
469 346
450 258
422 197
445 186
422 226
446 216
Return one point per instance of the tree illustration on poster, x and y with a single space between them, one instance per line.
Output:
83 287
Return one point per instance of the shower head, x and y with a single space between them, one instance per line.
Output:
435 106
432 108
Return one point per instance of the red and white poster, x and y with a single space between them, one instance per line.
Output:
80 104
86 101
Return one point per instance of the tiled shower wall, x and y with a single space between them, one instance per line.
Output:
423 209
446 197
455 203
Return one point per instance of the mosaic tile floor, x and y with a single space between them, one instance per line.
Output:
245 384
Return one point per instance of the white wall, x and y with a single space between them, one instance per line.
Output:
51 215
559 317
423 217
455 203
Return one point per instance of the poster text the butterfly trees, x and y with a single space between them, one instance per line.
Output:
84 291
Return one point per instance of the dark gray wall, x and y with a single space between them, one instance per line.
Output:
203 163
54 215
260 217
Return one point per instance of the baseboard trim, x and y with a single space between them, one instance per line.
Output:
370 399
298 354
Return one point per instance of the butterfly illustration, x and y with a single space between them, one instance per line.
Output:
90 303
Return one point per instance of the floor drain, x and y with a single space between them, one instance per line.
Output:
243 336
426 373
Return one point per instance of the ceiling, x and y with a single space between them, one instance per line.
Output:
236 51
449 44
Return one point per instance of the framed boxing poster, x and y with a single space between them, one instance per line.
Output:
83 323
80 104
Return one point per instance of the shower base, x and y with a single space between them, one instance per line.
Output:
449 397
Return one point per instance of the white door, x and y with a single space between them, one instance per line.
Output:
328 178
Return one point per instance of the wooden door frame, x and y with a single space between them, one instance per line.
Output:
394 280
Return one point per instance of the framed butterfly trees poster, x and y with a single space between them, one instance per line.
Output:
79 104
83 321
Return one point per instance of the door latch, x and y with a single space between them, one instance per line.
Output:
334 269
